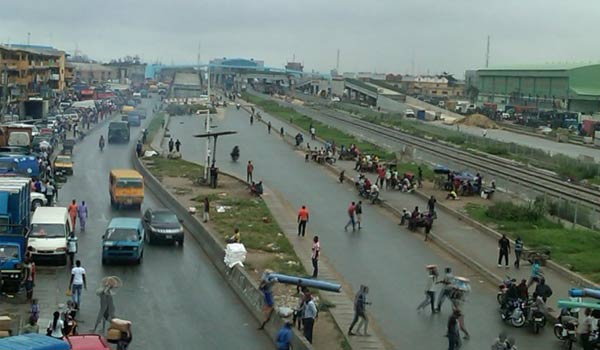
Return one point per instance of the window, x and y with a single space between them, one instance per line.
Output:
47 231
122 234
129 183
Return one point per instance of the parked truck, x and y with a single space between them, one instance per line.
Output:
15 217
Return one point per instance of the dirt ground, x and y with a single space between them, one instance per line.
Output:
326 334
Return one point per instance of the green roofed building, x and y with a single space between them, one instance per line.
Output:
566 86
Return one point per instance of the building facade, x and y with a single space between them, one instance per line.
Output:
29 71
563 87
431 86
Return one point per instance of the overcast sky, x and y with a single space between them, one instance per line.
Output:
375 35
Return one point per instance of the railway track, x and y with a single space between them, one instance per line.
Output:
534 178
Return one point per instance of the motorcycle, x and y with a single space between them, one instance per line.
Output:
514 313
235 153
525 312
566 328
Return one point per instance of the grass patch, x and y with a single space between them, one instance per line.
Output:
154 127
576 248
258 229
161 167
324 131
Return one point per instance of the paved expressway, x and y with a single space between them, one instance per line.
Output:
175 298
382 255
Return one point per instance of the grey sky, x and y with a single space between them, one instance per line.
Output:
375 35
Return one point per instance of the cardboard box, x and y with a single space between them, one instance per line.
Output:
5 323
113 334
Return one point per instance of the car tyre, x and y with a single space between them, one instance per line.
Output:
36 204
149 237
180 243
104 261
139 261
63 260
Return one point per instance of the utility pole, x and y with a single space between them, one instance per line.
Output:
487 53
207 166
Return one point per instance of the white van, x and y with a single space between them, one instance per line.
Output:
50 228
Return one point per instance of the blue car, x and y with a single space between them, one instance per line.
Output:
123 240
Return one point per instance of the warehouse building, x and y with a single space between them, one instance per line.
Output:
572 87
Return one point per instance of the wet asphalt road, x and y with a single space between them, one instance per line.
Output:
383 256
175 298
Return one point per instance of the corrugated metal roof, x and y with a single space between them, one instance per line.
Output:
544 66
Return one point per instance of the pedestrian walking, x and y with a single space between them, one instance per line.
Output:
55 326
139 148
461 323
73 211
500 342
360 312
82 212
309 316
420 177
251 119
518 251
284 337
358 211
178 146
453 332
205 215
269 127
446 288
171 145
341 178
107 306
266 287
281 133
302 220
316 251
72 248
536 273
431 206
77 283
503 250
49 193
249 171
351 213
29 278
429 289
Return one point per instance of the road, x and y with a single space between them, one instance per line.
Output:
381 255
175 298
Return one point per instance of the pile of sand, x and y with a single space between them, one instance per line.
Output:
479 120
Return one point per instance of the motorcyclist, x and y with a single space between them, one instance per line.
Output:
101 142
237 106
235 153
374 192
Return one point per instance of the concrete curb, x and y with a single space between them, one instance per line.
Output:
237 278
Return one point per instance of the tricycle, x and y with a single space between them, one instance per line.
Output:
68 145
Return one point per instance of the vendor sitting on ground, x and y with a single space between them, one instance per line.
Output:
256 188
236 238
452 195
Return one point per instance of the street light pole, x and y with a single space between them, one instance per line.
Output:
207 164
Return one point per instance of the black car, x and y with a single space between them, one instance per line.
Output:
162 225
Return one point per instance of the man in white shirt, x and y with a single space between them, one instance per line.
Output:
78 282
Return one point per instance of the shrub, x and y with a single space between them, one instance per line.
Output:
507 211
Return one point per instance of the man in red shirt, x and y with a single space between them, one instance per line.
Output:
380 175
302 220
351 212
249 171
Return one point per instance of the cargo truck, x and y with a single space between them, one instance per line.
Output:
15 217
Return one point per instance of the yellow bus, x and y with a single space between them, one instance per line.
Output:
126 188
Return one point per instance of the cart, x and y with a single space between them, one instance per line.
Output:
68 145
540 254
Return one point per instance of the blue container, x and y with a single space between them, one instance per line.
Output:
421 114
33 342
